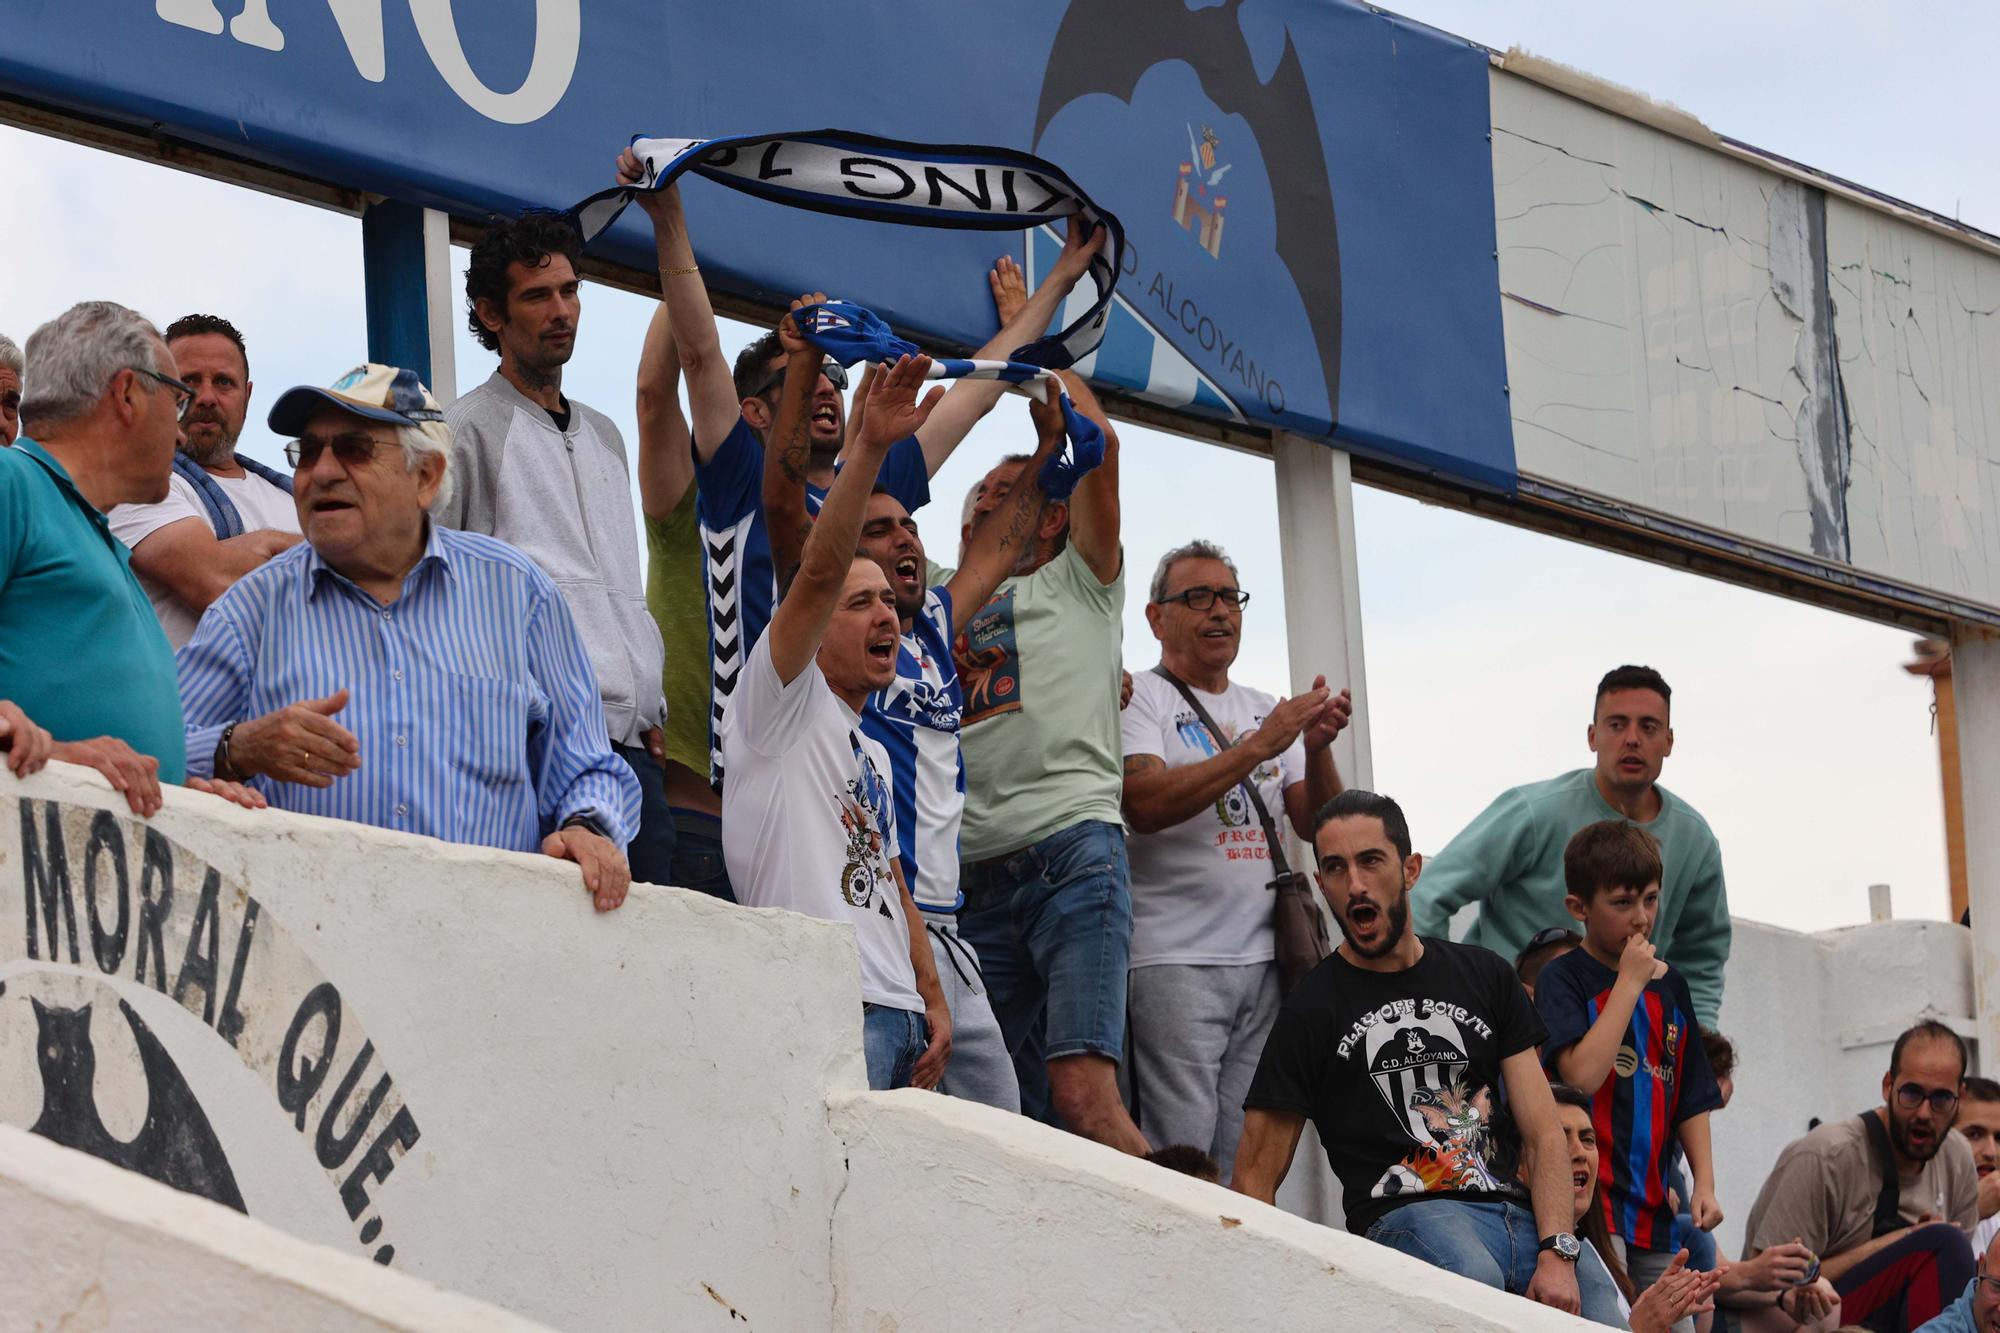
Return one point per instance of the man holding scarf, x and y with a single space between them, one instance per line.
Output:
224 514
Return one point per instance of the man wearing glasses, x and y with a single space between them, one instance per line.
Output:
225 514
1204 983
467 709
80 652
1888 1200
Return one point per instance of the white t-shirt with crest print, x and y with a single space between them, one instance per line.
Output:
1200 890
807 819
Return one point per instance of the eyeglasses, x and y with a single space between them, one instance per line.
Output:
183 393
1910 1096
1200 599
1988 1287
351 448
835 373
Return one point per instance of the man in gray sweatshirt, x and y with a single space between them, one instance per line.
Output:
550 476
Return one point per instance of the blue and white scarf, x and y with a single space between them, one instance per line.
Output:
889 180
849 333
221 509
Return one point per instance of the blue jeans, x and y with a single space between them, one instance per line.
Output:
1052 924
698 862
892 1039
1492 1243
651 853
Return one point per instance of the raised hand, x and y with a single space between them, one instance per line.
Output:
659 203
1009 287
789 337
1079 248
893 409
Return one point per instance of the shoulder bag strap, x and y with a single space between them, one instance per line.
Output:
1888 1203
1274 843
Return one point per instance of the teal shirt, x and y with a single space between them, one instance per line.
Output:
81 652
1510 862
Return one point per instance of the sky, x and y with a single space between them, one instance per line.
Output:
1798 735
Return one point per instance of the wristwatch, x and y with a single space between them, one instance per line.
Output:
1565 1245
588 821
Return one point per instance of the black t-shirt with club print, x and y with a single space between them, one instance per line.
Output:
1400 1073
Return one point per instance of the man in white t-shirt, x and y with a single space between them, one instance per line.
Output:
808 822
1204 986
224 515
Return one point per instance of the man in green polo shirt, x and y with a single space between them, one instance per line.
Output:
81 652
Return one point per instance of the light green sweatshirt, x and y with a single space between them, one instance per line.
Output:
1510 861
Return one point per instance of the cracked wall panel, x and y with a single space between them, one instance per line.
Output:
1915 322
1646 359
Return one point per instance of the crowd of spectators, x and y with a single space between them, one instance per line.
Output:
1061 873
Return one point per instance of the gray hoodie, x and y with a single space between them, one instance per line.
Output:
565 498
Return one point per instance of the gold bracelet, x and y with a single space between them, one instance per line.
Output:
680 272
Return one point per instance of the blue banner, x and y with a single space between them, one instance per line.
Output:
1306 185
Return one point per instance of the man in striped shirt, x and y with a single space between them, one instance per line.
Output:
468 709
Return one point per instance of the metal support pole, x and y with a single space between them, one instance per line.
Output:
1323 585
1975 670
1323 636
406 264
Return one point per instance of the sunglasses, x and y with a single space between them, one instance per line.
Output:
1910 1096
1200 599
183 393
350 448
835 373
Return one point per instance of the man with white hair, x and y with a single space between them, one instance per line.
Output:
225 513
80 652
12 365
469 711
1211 766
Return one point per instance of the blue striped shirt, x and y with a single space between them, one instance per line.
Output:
916 720
471 694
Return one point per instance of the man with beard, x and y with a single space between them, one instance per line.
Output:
549 476
1394 1046
224 514
1887 1199
1510 859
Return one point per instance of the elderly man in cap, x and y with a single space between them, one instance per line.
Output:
396 672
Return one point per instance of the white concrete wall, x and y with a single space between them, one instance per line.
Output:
617 1115
957 1216
88 1246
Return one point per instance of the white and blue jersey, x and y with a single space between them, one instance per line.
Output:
741 586
916 721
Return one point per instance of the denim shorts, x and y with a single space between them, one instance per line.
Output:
1052 924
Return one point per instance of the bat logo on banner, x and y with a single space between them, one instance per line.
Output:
1108 46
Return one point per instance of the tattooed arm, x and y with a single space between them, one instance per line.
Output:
1001 539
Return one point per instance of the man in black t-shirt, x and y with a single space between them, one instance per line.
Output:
1399 1049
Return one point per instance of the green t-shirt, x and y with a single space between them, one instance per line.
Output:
1039 665
81 652
1510 861
674 596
